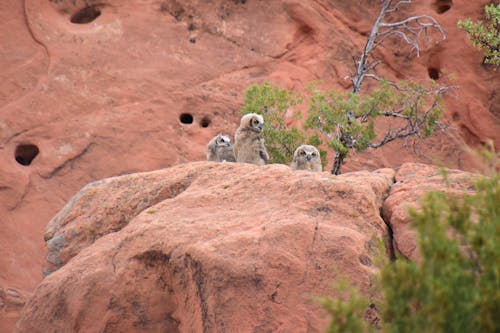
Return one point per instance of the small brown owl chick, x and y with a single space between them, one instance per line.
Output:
306 157
219 149
248 141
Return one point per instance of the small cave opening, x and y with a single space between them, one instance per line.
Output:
186 118
442 6
205 122
26 153
85 15
434 73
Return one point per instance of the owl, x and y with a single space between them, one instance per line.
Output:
219 149
248 141
306 157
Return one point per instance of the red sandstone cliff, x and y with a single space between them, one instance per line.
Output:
99 98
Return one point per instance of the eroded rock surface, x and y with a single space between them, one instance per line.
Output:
236 247
108 205
11 303
413 182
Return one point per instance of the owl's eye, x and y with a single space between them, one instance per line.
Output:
314 154
302 153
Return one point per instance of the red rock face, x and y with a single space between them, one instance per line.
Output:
99 90
412 183
227 247
213 247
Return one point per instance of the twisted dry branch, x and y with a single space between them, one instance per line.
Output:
409 30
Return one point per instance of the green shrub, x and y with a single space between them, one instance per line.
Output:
485 35
346 310
348 119
456 285
272 103
344 121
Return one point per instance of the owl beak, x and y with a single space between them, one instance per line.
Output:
259 128
308 157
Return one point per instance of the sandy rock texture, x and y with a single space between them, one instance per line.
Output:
412 182
95 89
227 248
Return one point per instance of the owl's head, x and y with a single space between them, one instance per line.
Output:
306 153
253 122
222 140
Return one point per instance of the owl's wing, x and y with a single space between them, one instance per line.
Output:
230 156
263 154
210 151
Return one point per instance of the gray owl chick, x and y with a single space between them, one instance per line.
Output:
248 141
219 149
306 157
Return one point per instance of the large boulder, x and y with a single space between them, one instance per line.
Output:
208 247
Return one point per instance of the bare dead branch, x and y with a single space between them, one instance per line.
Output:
395 115
417 19
378 78
399 134
409 30
408 40
361 65
396 6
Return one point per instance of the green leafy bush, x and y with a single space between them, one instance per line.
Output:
456 285
485 35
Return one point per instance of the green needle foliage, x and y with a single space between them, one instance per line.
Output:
273 103
344 121
347 120
485 35
346 314
456 285
329 113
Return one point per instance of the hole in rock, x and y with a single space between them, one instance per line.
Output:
26 153
205 122
442 6
85 15
186 118
434 73
305 29
192 40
